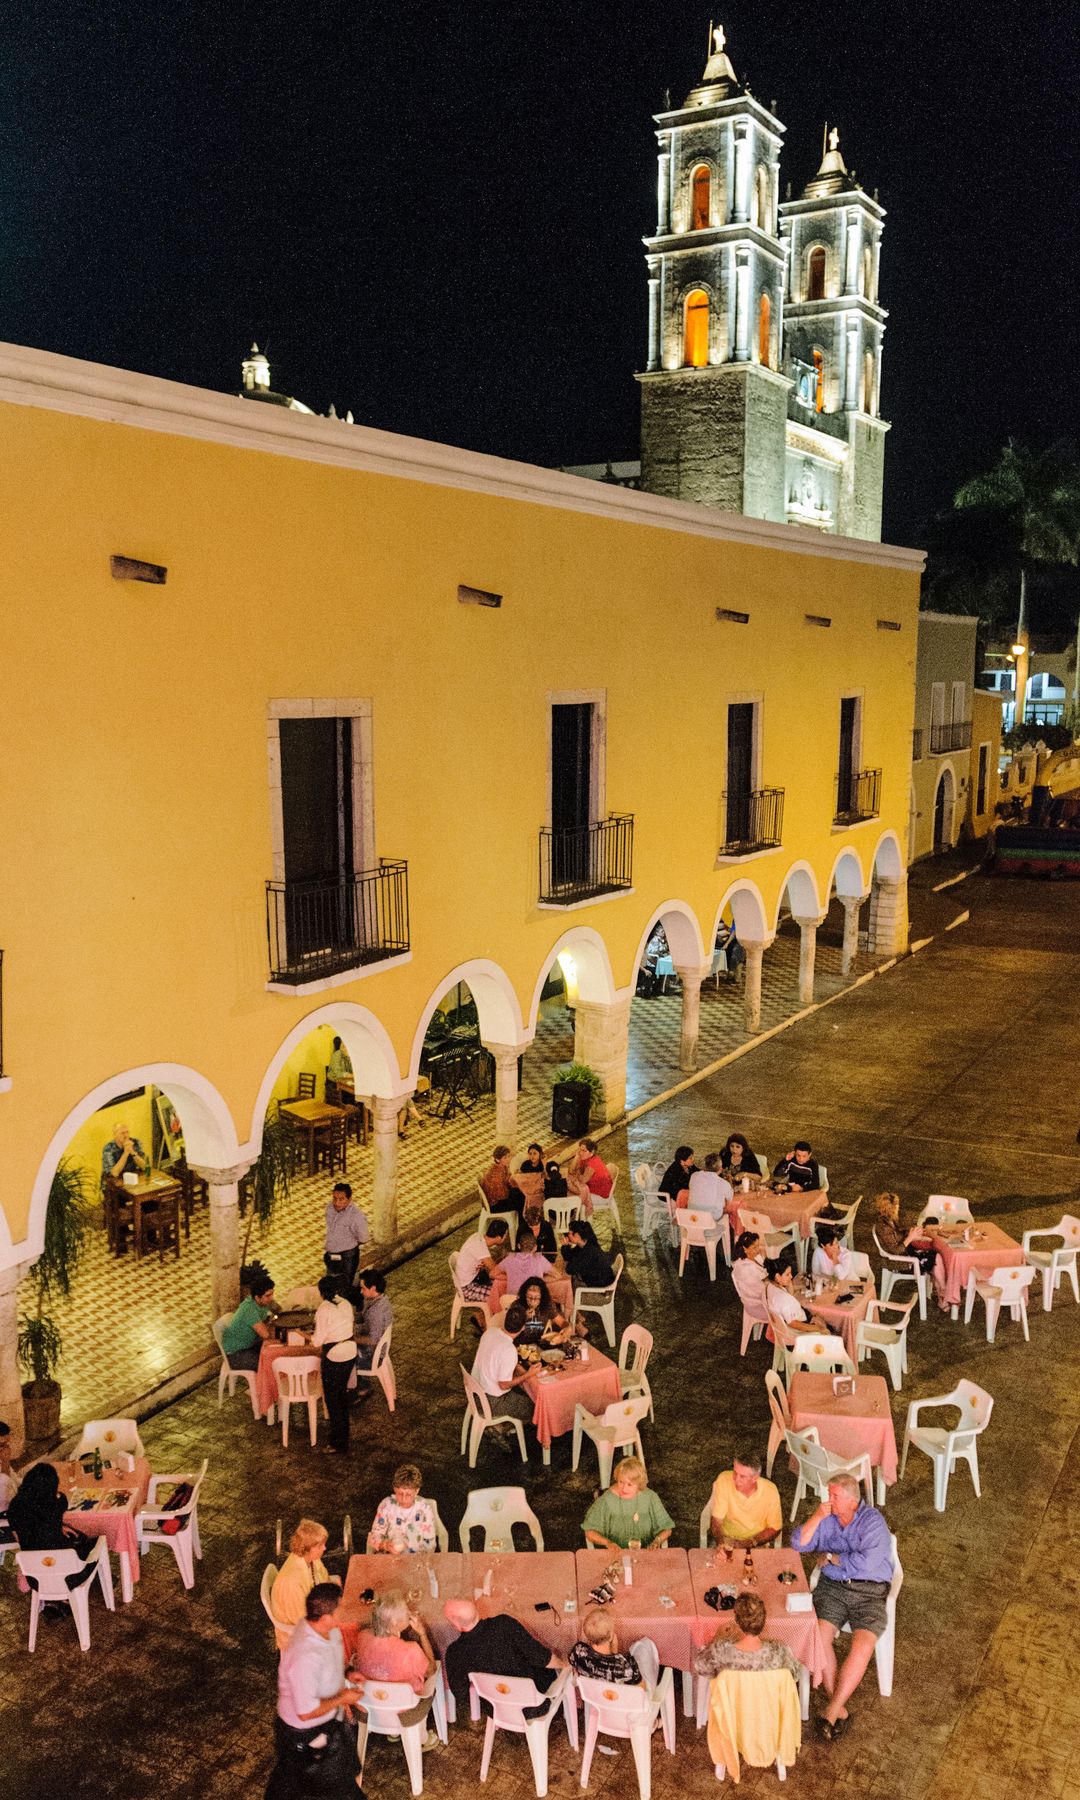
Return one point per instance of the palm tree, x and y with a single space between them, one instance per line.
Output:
1030 502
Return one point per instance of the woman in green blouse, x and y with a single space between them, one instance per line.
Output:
628 1515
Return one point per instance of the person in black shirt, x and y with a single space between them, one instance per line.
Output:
555 1187
586 1263
678 1172
496 1646
36 1516
798 1169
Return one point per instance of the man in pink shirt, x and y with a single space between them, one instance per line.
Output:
524 1262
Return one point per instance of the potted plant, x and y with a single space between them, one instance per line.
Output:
267 1181
40 1345
577 1079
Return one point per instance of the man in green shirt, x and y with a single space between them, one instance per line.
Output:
628 1515
242 1337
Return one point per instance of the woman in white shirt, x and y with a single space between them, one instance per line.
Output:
334 1338
748 1272
781 1302
832 1258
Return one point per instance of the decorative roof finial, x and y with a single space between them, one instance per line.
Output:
719 40
834 139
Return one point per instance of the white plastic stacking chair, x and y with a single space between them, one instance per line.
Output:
820 1354
845 1224
887 1335
299 1383
754 1321
1053 1264
479 1418
946 1448
657 1208
508 1697
183 1541
113 1438
618 1425
777 1237
615 1710
818 1466
227 1375
769 1685
460 1303
559 1213
382 1369
781 1417
382 1704
510 1219
600 1300
301 1299
49 1570
999 1289
607 1202
823 1177
698 1231
496 1510
885 1648
948 1209
442 1536
266 1588
901 1268
635 1349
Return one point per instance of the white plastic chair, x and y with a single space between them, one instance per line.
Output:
876 1333
819 1353
781 1418
560 1213
266 1588
301 1299
227 1375
845 1223
442 1536
767 1681
299 1383
510 1219
823 1176
1053 1264
885 1648
479 1418
946 1448
754 1321
618 1425
600 1300
607 1202
184 1541
657 1208
1001 1288
497 1510
698 1231
948 1209
382 1705
861 1267
382 1369
818 1466
50 1569
777 1237
901 1268
113 1438
616 1710
508 1696
460 1304
635 1349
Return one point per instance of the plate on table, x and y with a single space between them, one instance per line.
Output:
555 1358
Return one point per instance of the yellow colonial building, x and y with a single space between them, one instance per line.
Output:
306 723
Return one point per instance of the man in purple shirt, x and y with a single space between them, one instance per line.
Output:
855 1555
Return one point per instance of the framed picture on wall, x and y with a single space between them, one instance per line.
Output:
168 1131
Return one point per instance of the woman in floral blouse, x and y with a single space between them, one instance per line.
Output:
404 1522
747 1649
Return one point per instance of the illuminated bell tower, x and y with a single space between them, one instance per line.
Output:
713 399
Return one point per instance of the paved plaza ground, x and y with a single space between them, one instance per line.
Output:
955 1071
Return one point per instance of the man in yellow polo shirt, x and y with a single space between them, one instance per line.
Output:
745 1507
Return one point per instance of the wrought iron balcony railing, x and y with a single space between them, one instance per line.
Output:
953 736
858 795
581 864
319 928
754 820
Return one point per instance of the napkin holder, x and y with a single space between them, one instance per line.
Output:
129 1179
799 1603
842 1385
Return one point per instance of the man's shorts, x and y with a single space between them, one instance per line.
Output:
860 1604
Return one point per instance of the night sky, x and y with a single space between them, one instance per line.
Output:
433 214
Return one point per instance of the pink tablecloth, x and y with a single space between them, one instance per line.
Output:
847 1424
518 1583
560 1287
991 1248
784 1209
639 1609
117 1525
841 1320
594 1385
266 1392
799 1631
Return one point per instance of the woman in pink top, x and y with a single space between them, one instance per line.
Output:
589 1175
382 1654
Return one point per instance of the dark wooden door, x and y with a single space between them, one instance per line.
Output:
316 806
571 788
740 771
845 783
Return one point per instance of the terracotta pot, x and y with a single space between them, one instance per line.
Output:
41 1411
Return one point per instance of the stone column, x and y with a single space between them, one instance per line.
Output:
852 904
663 188
807 957
384 1176
601 1039
11 1406
224 1235
506 1090
742 305
752 990
888 921
690 981
654 319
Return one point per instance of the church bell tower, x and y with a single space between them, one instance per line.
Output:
713 399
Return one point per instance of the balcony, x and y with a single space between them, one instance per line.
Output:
954 736
320 928
916 744
858 796
583 864
755 821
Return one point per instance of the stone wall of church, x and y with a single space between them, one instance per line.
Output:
864 473
716 436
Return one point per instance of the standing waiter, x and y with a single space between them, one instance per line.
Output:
316 1753
346 1234
334 1338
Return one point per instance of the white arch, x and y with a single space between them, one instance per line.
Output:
683 934
888 861
373 1057
209 1137
747 910
497 1006
847 876
800 884
592 965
